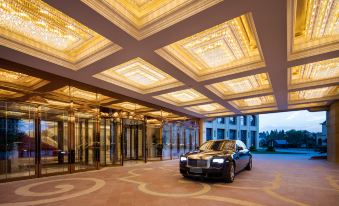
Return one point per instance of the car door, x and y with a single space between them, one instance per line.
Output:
238 157
245 155
241 150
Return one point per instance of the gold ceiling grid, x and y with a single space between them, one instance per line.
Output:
241 87
129 106
143 18
254 103
139 76
318 75
312 27
183 97
228 48
209 108
37 29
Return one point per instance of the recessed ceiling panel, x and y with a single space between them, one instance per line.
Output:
73 93
227 48
307 105
260 110
326 71
318 94
4 94
37 29
313 27
20 80
138 75
207 108
183 97
254 84
161 114
130 106
221 114
142 18
254 102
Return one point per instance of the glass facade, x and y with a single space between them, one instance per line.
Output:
38 140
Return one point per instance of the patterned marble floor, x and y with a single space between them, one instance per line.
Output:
275 180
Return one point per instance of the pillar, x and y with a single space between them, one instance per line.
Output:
71 141
333 133
37 137
201 131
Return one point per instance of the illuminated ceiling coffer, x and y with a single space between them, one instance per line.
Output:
227 48
244 86
210 108
183 97
313 74
20 81
142 18
254 102
138 75
311 95
75 94
129 106
37 29
313 27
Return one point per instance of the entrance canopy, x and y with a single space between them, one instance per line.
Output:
189 58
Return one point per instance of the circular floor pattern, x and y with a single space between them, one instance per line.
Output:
60 189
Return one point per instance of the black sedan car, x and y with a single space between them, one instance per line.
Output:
217 159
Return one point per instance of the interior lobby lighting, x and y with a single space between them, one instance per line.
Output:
248 84
183 97
260 110
261 101
161 114
37 29
142 18
311 94
129 106
221 114
17 79
315 27
315 72
224 49
139 76
9 94
207 108
73 92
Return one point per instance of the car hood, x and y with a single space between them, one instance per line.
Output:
207 154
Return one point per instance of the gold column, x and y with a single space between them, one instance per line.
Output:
71 141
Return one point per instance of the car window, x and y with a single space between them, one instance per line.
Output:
218 145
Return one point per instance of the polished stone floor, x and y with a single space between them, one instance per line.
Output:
275 180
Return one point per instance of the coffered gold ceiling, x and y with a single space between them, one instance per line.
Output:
75 94
37 29
142 18
4 94
311 95
227 48
313 27
210 108
130 106
138 75
317 73
307 105
254 102
183 97
249 85
19 80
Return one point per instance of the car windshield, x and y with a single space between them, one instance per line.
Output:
218 145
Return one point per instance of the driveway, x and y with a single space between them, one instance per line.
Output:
275 180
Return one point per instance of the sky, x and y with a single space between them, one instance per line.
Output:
298 120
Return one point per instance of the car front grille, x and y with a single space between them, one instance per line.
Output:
197 163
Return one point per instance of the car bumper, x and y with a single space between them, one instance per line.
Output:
205 172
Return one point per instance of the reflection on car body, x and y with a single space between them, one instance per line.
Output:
216 159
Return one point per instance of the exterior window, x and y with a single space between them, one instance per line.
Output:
221 134
243 120
243 136
252 120
233 120
253 138
209 134
221 120
233 134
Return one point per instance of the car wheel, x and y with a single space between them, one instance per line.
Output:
249 165
230 173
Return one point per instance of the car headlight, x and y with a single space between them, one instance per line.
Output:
218 160
183 159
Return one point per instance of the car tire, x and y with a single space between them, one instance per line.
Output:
249 165
230 173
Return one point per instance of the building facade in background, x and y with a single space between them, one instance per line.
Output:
244 128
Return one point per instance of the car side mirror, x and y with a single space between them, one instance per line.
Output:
240 148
